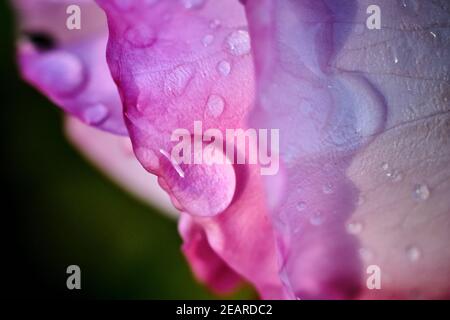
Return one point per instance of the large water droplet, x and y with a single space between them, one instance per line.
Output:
95 114
421 192
177 80
215 105
224 68
413 253
205 189
238 43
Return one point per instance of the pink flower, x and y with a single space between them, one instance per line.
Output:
343 98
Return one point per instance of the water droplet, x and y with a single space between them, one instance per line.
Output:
413 253
421 192
207 40
238 43
395 60
433 34
141 36
215 105
177 81
354 227
95 114
204 189
58 72
214 24
317 218
193 4
224 67
327 188
301 206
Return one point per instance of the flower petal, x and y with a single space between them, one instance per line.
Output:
69 66
335 89
205 263
169 77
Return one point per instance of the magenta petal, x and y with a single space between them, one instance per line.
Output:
169 77
319 129
205 263
69 66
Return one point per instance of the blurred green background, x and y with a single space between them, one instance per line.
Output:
58 211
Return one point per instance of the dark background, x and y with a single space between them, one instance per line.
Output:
57 210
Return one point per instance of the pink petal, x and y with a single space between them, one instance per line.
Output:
72 70
167 73
114 156
338 92
205 263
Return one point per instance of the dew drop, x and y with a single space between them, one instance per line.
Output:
413 253
224 68
238 43
204 190
215 105
207 40
95 114
395 60
421 192
354 227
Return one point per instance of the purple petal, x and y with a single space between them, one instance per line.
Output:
69 66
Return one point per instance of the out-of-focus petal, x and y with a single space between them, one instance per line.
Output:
170 76
114 156
204 261
69 66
